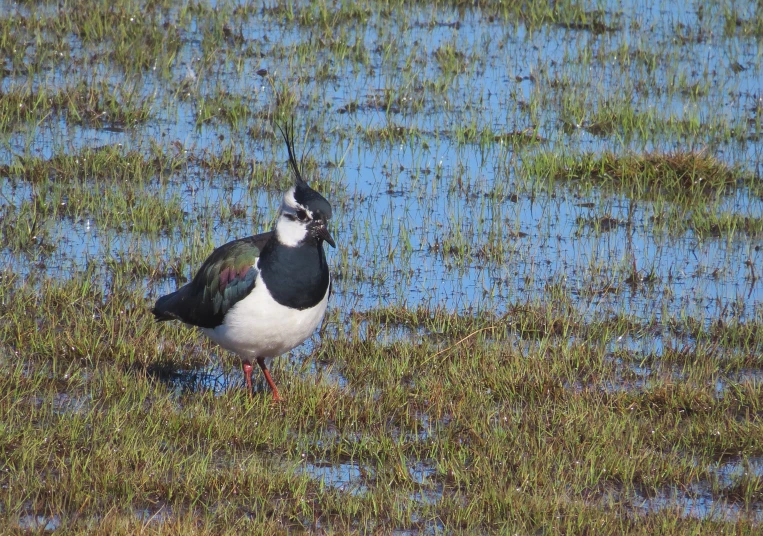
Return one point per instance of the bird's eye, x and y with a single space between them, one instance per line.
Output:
302 215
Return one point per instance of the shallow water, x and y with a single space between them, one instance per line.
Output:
428 221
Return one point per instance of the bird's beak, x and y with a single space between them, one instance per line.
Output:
323 232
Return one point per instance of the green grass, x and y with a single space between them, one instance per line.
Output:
727 224
514 344
116 189
390 133
224 107
117 108
681 177
513 431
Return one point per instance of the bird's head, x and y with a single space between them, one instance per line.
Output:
304 212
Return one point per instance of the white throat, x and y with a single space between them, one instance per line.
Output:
290 232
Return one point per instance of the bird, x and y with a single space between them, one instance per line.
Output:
261 296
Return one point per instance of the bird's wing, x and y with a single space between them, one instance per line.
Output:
261 239
225 278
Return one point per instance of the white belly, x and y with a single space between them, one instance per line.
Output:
258 326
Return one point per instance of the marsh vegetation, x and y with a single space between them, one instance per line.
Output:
548 308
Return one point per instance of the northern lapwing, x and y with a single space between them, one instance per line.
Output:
263 295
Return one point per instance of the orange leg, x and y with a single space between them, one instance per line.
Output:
271 383
246 366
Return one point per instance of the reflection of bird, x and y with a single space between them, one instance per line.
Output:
263 295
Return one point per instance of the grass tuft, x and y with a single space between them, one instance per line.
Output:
686 177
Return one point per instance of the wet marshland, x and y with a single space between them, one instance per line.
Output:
547 300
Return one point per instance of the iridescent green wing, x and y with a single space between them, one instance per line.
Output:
225 278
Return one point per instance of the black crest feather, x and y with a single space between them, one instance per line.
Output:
303 194
287 132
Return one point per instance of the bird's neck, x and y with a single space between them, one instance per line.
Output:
297 276
290 232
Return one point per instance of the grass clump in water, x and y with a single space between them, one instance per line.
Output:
536 409
97 106
708 223
678 177
123 190
390 133
104 163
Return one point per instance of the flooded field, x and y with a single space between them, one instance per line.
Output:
547 302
